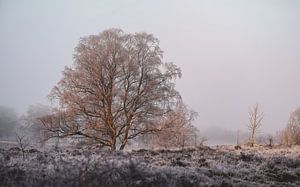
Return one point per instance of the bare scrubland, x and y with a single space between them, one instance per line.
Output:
201 166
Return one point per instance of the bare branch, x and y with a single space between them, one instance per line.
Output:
255 122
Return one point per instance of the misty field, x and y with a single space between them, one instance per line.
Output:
202 166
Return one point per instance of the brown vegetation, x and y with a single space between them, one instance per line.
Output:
117 89
177 130
291 134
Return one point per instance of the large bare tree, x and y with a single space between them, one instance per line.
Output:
117 89
255 121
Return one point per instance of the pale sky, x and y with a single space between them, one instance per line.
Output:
232 53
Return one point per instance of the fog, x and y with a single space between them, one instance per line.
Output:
232 53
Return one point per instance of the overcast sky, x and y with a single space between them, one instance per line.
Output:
232 53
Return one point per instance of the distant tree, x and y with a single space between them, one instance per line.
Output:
177 129
291 134
270 139
31 122
117 89
283 138
255 122
8 122
293 127
238 143
23 140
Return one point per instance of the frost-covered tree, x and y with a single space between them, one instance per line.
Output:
32 123
291 134
255 121
177 129
117 89
23 140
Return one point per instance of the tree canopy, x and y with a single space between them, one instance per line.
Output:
118 88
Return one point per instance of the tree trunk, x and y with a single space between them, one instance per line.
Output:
252 139
113 145
23 154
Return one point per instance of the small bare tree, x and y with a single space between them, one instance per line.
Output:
23 141
270 139
177 129
255 122
238 145
32 123
284 138
291 134
238 137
